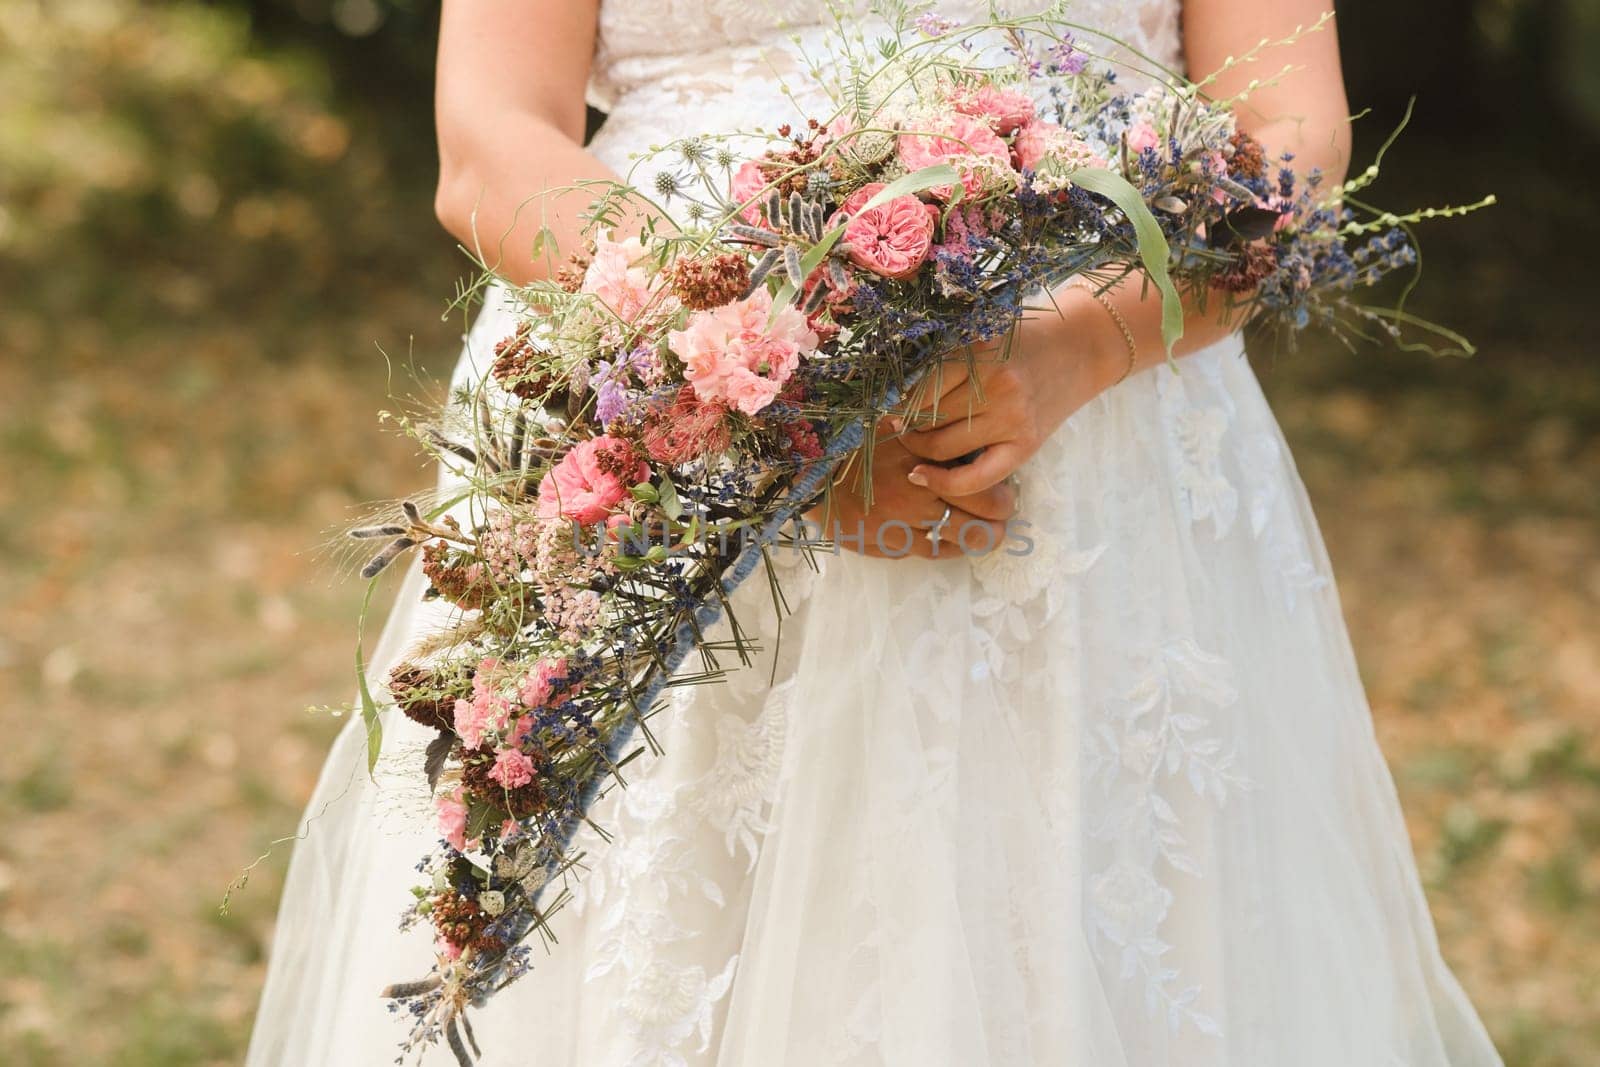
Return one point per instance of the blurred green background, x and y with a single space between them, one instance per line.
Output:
218 260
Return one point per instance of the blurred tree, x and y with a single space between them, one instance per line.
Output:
171 157
381 51
1525 72
215 141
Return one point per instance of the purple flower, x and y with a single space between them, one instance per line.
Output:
609 402
932 25
1065 57
610 381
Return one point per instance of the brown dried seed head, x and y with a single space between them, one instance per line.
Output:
705 282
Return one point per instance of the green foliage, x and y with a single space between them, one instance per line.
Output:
155 155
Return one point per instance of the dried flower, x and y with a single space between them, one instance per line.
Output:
461 923
520 368
686 429
456 577
414 692
1249 160
1255 263
569 275
709 281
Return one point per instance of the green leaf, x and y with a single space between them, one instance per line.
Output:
915 182
369 707
480 818
1153 248
544 241
646 492
671 506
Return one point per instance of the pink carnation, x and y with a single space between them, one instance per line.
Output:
617 277
892 239
749 183
1005 110
585 486
539 685
961 140
452 811
512 769
733 354
487 712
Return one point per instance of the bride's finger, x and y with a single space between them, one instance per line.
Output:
946 391
932 394
989 469
963 534
955 405
996 503
955 439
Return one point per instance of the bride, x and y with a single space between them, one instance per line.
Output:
1111 802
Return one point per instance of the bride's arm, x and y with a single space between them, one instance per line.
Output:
1062 361
1304 111
1301 111
509 107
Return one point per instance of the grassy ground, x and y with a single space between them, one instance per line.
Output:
167 615
184 422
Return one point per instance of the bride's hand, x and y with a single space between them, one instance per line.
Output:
1006 405
902 513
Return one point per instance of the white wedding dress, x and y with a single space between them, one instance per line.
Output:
1113 803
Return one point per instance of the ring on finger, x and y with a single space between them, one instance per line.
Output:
934 532
1015 482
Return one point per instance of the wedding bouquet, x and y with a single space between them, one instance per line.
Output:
671 402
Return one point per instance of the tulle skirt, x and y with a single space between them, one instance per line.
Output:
1108 797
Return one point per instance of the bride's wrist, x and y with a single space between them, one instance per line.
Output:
1093 342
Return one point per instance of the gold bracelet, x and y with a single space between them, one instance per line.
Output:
1116 316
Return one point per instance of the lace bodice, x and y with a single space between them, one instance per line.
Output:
671 68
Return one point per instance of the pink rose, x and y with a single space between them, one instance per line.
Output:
1032 144
1142 135
452 811
733 354
1041 141
892 239
749 183
1005 110
512 769
585 486
618 279
961 140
